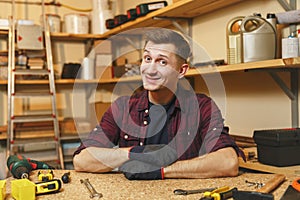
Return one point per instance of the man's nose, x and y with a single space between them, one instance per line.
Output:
152 68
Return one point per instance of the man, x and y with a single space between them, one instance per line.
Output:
165 131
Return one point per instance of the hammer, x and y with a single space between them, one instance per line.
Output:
262 193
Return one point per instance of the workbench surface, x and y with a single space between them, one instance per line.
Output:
116 186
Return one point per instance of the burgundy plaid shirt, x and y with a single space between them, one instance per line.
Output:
195 125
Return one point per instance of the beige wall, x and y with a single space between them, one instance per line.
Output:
253 99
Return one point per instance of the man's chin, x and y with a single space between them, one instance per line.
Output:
152 88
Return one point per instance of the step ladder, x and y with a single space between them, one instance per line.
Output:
32 39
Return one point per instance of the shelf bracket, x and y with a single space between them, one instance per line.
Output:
292 92
286 6
292 5
282 85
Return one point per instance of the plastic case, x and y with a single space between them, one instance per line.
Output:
278 147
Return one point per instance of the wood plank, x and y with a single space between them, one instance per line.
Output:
255 165
265 64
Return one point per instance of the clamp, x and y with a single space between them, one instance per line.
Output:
219 193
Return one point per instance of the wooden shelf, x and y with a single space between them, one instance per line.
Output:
180 9
265 64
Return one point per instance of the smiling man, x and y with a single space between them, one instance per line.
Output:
164 131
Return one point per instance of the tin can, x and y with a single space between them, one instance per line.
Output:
76 23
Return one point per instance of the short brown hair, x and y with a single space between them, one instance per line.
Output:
162 35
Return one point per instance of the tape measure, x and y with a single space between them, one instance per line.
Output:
45 175
50 186
296 184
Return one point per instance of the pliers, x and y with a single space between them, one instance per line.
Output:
221 193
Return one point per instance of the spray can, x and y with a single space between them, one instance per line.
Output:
271 18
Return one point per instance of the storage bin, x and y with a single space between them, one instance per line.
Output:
278 147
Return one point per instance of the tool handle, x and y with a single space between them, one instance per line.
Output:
272 184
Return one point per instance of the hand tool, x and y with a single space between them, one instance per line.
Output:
91 189
296 184
49 186
293 191
20 167
187 192
45 175
263 192
221 193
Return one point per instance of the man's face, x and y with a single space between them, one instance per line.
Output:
159 68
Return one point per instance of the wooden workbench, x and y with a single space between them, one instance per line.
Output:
116 186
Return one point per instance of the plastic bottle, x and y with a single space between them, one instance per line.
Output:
271 18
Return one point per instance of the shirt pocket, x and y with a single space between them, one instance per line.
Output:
127 140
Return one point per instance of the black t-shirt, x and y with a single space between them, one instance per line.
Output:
157 132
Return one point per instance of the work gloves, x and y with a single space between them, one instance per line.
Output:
147 162
137 170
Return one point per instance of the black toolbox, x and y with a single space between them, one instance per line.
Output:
278 147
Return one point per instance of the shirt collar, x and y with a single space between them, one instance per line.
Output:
143 100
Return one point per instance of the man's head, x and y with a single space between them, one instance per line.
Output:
161 35
164 59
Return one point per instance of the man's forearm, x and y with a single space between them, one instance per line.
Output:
221 163
94 159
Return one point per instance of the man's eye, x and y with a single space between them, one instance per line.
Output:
162 62
147 58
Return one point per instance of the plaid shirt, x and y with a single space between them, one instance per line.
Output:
195 125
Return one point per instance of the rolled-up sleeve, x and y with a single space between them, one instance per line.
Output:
106 133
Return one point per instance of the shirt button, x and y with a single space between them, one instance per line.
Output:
95 129
214 129
125 136
141 143
145 122
146 111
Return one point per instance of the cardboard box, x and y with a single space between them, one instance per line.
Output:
103 72
278 147
102 47
30 37
100 109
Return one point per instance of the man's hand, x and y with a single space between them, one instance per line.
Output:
137 170
161 155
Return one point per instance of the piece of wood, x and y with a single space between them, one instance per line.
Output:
257 166
272 184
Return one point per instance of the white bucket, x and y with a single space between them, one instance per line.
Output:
76 23
53 21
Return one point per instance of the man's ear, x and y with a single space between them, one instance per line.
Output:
183 69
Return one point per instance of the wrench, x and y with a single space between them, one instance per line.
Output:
91 189
186 192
